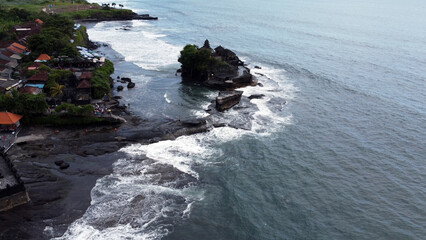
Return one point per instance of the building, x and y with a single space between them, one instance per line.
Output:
30 90
9 121
43 58
84 92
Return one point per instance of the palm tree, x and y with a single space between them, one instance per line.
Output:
56 90
121 5
113 4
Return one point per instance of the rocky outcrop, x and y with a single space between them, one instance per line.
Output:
219 68
131 85
227 99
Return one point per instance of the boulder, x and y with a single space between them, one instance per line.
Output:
125 79
131 85
193 122
227 99
120 88
64 165
260 84
59 162
257 67
256 96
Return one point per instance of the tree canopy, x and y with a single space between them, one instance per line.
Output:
23 103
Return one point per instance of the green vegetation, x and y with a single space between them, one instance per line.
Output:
23 103
82 38
72 110
196 62
101 79
56 89
58 75
54 38
100 14
72 116
9 19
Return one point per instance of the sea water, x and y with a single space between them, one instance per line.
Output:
335 150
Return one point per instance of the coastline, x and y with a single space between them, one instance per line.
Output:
59 197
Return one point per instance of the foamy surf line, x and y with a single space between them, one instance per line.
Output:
143 45
150 190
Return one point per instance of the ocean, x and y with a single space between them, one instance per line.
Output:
335 150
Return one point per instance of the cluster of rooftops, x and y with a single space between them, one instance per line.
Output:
11 53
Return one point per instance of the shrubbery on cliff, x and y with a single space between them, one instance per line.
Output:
23 103
198 62
101 79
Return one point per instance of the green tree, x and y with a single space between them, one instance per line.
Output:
195 61
56 89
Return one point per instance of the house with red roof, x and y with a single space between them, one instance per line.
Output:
30 90
84 92
20 46
38 21
35 66
15 50
43 58
27 29
86 76
9 121
40 77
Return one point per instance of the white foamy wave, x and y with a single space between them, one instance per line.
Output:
145 197
143 45
167 99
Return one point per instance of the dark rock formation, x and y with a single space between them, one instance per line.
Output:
120 88
256 96
228 99
219 68
257 67
59 162
131 85
64 165
126 79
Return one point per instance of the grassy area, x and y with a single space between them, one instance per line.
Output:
38 5
74 9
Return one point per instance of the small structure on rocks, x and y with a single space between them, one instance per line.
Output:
227 99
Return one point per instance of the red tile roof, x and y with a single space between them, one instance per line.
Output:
3 62
39 21
86 75
43 57
17 45
42 77
7 53
35 65
7 118
29 90
15 49
84 84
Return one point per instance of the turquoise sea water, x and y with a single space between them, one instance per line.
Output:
344 158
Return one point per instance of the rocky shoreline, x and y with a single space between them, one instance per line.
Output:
60 195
